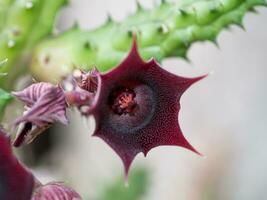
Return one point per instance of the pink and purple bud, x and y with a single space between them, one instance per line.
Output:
55 191
44 105
80 88
88 80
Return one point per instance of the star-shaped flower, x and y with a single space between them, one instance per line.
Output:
136 107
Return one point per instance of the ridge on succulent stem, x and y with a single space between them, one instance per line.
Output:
167 30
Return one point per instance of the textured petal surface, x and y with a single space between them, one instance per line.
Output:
88 80
79 89
55 191
16 183
45 104
154 122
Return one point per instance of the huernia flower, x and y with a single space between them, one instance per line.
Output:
136 107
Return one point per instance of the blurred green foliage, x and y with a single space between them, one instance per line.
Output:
138 185
23 23
5 98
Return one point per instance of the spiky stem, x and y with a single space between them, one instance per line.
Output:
167 30
25 23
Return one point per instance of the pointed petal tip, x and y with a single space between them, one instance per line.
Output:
183 142
21 135
15 93
126 170
198 78
198 153
191 148
126 180
63 119
134 55
19 94
190 81
145 153
16 143
134 47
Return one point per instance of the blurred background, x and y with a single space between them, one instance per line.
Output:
223 116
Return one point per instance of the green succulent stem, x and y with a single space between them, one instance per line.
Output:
5 97
4 5
22 25
165 31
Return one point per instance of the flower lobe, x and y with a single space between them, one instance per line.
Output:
143 110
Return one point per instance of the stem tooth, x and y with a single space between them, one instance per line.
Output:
183 12
163 29
109 19
138 5
87 45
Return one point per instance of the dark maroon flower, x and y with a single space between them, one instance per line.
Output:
16 182
55 191
137 105
45 104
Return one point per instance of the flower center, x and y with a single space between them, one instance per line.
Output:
123 101
130 107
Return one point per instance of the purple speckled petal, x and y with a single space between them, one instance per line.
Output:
16 183
45 104
55 191
137 105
